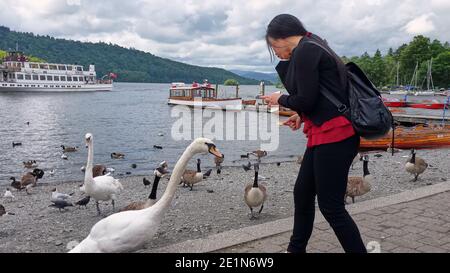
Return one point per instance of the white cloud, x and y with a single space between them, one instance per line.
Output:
228 33
420 25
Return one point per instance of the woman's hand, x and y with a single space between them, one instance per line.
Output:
293 122
272 99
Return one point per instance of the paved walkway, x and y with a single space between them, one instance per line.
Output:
413 221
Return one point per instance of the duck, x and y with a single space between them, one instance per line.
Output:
191 177
259 154
357 185
30 179
130 230
415 165
117 155
4 212
30 164
218 161
59 196
100 188
152 197
83 202
68 149
8 195
14 144
15 184
157 147
254 194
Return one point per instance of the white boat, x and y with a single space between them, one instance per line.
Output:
398 92
201 95
424 93
18 74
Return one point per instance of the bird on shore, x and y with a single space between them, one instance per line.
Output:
259 154
4 212
415 165
64 156
83 202
357 185
15 184
51 172
30 179
245 156
130 230
207 174
191 177
255 194
100 188
59 196
8 195
146 182
68 149
247 167
61 204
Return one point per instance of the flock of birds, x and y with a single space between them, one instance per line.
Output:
135 224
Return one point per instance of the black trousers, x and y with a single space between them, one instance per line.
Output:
324 173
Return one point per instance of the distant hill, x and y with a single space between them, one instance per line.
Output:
130 65
268 77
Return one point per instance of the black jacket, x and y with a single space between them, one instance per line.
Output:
308 67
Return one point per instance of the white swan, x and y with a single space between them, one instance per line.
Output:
100 188
130 230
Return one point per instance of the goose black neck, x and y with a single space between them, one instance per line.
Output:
198 167
413 158
255 183
366 167
154 188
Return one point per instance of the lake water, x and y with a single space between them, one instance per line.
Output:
128 120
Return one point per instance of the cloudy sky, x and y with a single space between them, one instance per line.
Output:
228 33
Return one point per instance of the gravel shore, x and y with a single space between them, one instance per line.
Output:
214 205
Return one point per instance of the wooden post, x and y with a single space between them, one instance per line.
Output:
263 87
237 90
215 91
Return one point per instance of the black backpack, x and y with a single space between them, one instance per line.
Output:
370 118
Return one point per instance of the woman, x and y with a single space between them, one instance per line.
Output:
332 143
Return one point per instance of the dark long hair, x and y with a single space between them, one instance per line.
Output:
281 27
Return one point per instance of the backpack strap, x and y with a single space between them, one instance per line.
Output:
342 108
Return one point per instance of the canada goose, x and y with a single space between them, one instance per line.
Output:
100 188
152 197
59 196
30 164
207 174
245 156
254 194
415 165
8 195
14 144
357 185
218 161
358 157
30 179
129 230
68 149
83 202
191 177
259 154
15 184
117 155
61 204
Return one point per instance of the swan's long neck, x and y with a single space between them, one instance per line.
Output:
164 203
88 176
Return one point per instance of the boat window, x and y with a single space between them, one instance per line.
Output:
81 79
75 79
63 78
35 77
42 77
69 67
34 65
61 67
52 67
43 66
79 68
49 78
56 78
27 77
69 78
20 76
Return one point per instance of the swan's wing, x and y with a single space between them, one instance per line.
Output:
107 181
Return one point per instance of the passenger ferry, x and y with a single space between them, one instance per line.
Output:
18 74
201 95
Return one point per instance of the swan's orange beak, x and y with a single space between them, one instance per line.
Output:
213 150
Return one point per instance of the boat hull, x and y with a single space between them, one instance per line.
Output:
78 88
226 104
427 105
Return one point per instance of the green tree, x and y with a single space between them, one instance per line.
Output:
231 82
441 70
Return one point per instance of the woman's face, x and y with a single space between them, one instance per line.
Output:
281 47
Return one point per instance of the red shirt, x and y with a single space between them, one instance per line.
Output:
333 130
